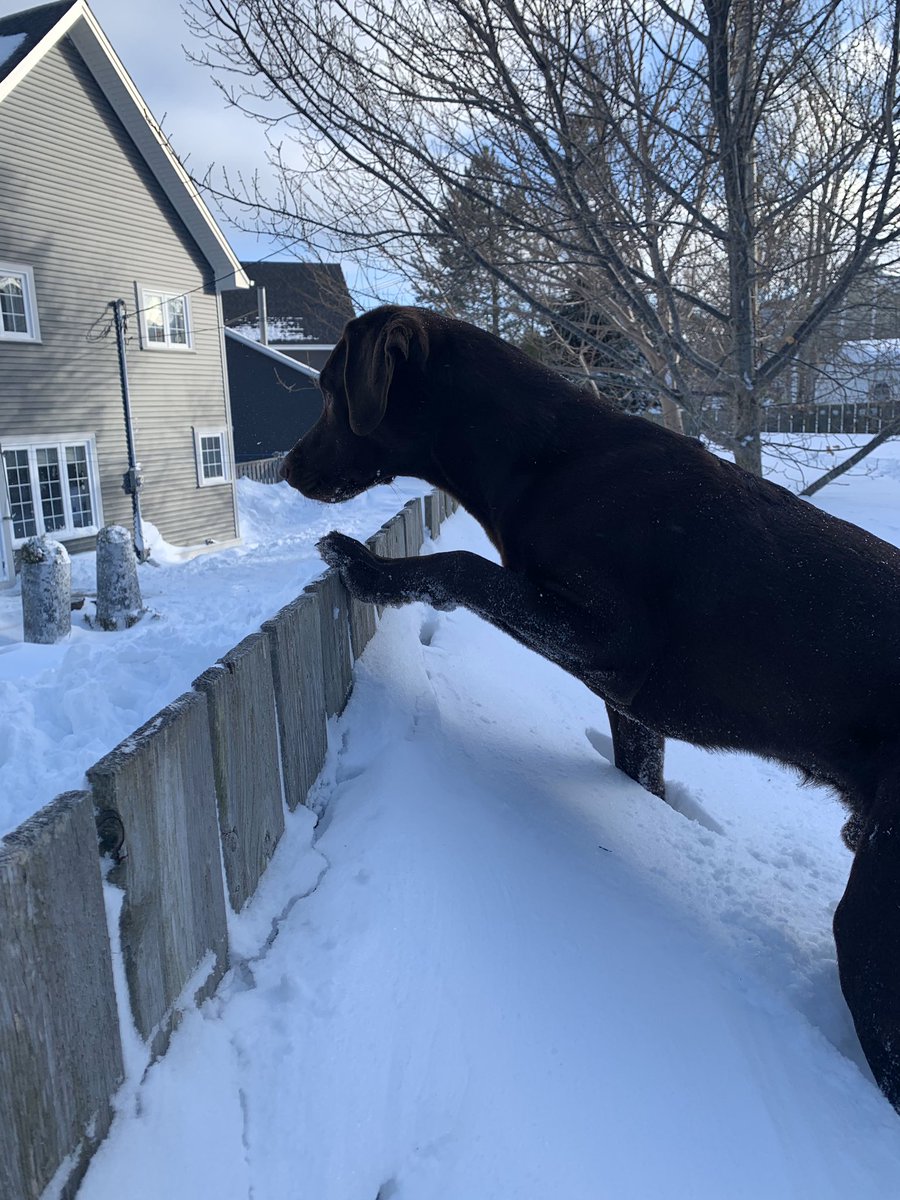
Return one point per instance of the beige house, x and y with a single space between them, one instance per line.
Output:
95 208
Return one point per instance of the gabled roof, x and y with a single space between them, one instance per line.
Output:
29 35
21 32
306 303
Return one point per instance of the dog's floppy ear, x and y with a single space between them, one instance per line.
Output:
368 373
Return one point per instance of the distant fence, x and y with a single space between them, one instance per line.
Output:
189 809
263 470
803 418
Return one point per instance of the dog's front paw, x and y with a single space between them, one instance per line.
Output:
339 551
364 575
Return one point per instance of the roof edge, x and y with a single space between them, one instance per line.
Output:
284 359
37 52
144 130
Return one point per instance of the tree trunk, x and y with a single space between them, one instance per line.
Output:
747 444
671 414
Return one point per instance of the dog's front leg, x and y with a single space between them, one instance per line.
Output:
602 646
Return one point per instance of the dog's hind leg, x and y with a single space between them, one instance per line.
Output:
867 935
638 751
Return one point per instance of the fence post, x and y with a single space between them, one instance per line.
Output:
160 785
295 638
380 543
334 611
60 1053
240 695
432 515
415 526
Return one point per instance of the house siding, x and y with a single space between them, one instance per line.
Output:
80 206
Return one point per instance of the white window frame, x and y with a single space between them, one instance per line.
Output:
222 435
31 445
143 294
33 330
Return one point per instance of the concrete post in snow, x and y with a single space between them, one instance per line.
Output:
119 604
46 590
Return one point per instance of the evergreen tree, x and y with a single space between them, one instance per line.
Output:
482 204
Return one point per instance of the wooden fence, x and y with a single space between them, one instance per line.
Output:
263 470
187 812
802 418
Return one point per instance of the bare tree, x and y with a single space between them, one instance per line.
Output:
716 173
453 282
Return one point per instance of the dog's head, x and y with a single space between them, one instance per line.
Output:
371 426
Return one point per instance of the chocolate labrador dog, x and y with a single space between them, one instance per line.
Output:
695 600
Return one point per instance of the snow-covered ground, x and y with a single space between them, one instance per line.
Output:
494 968
63 707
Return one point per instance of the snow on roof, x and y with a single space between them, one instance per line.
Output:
305 302
250 337
25 30
870 351
9 44
286 332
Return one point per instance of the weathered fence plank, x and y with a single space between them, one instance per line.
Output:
363 624
432 514
334 618
60 1054
295 639
160 783
415 526
240 695
395 536
380 543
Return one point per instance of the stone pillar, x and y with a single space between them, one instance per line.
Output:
119 604
46 590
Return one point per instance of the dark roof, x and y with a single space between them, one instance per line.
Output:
274 400
305 302
35 24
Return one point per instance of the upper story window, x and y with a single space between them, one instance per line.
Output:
18 308
165 320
